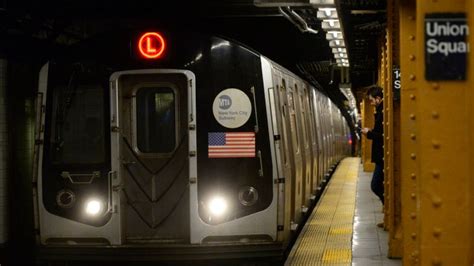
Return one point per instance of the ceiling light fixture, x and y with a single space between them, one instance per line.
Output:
331 23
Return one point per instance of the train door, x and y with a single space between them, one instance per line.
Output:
332 145
317 130
325 126
302 124
313 138
284 151
327 123
150 146
314 106
322 130
297 181
292 159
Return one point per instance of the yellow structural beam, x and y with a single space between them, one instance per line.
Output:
408 132
382 82
392 136
444 159
470 123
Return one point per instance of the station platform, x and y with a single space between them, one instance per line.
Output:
342 229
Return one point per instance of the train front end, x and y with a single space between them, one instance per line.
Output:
155 143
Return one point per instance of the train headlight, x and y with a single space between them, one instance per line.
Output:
217 206
65 198
248 196
93 207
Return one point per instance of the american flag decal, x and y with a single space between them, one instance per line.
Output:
231 144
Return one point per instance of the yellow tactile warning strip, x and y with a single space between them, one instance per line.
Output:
326 237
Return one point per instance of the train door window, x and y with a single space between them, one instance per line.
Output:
312 117
283 120
304 118
294 127
156 120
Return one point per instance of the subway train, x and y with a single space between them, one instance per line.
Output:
171 145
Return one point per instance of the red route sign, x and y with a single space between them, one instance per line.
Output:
151 45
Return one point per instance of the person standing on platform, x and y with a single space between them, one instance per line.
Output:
375 95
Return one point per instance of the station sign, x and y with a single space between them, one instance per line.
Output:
396 82
446 46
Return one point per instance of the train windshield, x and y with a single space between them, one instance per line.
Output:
77 128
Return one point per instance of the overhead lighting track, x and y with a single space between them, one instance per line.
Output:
331 23
327 11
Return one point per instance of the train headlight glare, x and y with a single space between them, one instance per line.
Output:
217 206
93 207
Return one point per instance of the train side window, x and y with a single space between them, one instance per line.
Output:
156 120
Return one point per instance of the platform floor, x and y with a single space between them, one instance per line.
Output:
342 229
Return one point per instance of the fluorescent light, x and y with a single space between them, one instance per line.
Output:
324 13
336 44
340 55
339 50
321 2
330 24
332 35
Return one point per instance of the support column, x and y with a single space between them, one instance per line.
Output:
408 132
383 82
444 155
392 136
470 107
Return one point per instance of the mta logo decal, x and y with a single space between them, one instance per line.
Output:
225 102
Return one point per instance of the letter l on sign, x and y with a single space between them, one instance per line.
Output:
151 45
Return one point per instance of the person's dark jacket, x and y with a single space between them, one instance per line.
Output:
376 135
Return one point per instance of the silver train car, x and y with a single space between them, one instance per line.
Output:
169 146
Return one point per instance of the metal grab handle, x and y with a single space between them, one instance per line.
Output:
260 171
252 89
76 178
110 176
191 100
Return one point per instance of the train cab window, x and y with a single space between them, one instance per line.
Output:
77 125
156 120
